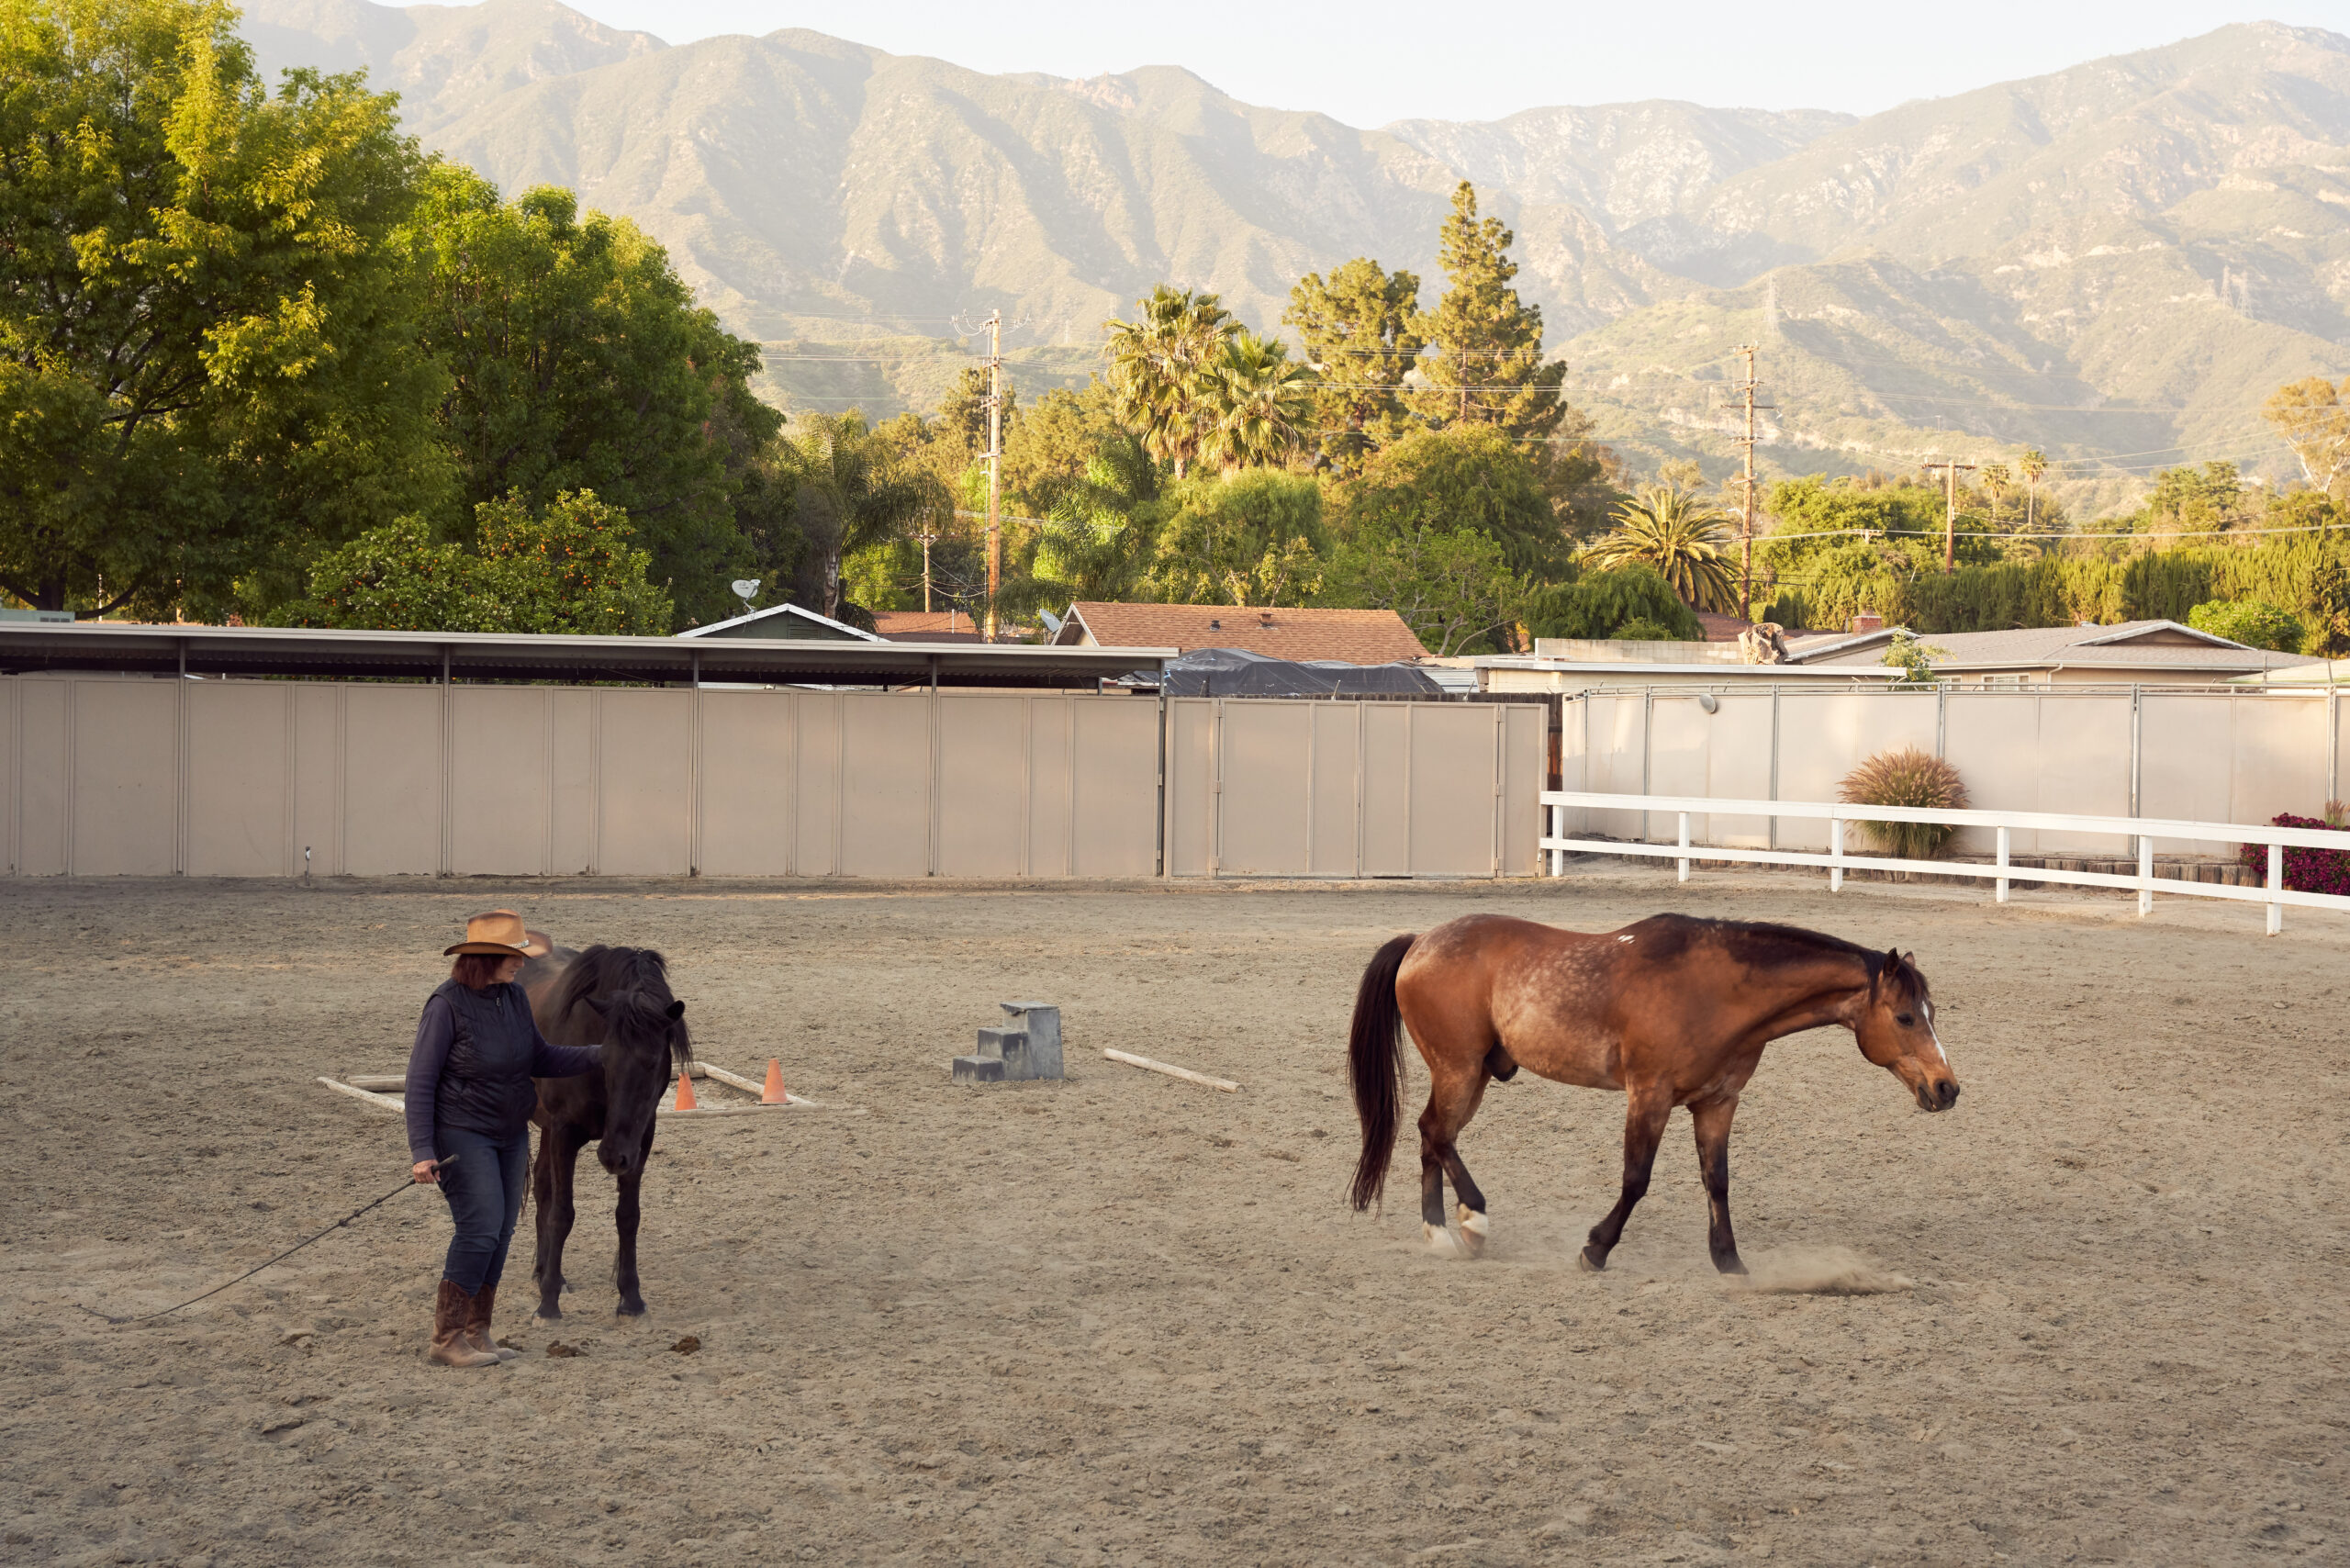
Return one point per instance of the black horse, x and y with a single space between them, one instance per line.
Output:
617 997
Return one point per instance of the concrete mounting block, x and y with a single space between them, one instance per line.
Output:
1016 1055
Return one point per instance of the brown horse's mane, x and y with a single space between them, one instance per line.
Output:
630 981
1766 945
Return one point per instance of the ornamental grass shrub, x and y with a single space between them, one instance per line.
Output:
2308 870
1905 777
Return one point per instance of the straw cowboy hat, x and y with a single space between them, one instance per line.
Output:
500 934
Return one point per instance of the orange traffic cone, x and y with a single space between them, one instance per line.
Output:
686 1100
774 1094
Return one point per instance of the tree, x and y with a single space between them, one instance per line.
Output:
963 417
1255 403
2195 500
1488 367
579 361
1997 477
207 352
2031 466
850 491
1467 477
1358 330
1683 536
1254 537
2311 417
572 568
1453 587
1050 453
1156 363
2253 622
1631 602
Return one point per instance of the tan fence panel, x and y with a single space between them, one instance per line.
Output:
644 783
125 777
1266 817
1114 817
571 782
1387 781
885 771
1526 772
2279 756
982 798
318 777
238 805
746 805
499 780
1456 754
391 780
1051 757
816 784
1190 787
1335 804
44 816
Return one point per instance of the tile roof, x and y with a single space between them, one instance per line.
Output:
925 626
1349 636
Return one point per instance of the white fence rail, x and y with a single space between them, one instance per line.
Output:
1556 844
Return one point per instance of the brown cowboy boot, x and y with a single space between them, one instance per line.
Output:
477 1325
451 1309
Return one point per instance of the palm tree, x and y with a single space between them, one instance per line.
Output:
1157 365
2031 466
1681 535
852 490
1996 480
1255 403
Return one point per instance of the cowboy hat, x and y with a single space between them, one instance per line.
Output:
501 935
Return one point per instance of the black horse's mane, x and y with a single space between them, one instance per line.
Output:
1767 945
631 983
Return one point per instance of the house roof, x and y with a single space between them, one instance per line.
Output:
925 626
785 620
2132 645
1347 636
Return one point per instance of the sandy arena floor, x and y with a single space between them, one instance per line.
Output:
1128 1320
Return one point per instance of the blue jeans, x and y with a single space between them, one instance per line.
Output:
485 1190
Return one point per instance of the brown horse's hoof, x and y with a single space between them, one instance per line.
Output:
1591 1261
1474 1228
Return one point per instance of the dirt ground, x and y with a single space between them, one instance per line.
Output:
1125 1319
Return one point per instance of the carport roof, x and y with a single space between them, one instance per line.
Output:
157 649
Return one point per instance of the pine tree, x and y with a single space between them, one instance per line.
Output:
1358 331
1487 368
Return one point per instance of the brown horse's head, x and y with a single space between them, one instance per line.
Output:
1896 1029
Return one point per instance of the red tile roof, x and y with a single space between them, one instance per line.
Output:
1349 636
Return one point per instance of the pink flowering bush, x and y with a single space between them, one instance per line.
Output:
2307 871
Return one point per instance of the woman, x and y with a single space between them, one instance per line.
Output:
469 1101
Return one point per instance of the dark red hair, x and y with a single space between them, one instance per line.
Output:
476 970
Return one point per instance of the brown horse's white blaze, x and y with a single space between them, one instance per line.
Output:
1671 1012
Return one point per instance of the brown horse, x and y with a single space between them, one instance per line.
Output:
617 997
1672 1010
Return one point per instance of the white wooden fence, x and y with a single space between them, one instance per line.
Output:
1838 859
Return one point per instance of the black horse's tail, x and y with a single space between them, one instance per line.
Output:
1375 1069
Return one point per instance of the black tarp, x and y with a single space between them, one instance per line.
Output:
1235 672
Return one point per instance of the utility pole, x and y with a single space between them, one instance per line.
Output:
1745 390
1950 510
927 541
995 465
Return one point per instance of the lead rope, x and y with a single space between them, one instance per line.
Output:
438 1165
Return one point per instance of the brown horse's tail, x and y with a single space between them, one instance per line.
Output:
1375 1069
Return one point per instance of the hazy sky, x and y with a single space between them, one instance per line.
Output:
1370 62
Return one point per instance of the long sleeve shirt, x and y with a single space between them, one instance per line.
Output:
434 1031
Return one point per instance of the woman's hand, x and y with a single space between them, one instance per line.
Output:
426 1171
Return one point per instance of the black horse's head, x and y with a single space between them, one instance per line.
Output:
644 1035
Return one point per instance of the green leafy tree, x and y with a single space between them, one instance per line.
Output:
1685 537
1050 454
2253 622
579 361
1914 659
1359 330
1250 538
1255 404
1453 587
2188 499
962 418
1466 477
1156 366
1632 602
1487 367
852 490
1997 478
572 568
206 342
2315 422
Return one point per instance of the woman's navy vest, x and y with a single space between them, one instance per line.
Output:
485 1083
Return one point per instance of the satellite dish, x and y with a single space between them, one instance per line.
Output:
1052 622
745 588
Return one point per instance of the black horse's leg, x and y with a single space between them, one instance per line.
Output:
550 1184
625 1217
1712 1122
1644 1117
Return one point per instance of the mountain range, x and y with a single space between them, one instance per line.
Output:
2115 263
